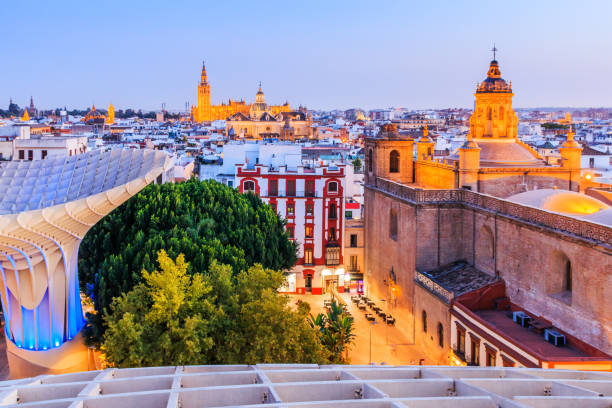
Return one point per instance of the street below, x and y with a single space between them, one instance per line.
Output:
387 344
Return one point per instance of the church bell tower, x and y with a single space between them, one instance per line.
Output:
493 116
203 111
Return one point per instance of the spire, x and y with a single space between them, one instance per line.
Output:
203 75
425 130
25 116
570 142
494 49
31 103
259 98
110 118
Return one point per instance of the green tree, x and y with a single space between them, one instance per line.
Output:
214 318
162 321
335 330
357 164
205 221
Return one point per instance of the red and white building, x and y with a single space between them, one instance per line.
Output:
311 199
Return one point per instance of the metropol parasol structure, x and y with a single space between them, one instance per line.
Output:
46 208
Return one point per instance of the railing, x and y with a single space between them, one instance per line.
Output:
289 194
428 283
580 228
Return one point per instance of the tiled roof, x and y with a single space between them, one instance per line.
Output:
459 277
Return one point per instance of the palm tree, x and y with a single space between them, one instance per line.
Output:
343 327
336 331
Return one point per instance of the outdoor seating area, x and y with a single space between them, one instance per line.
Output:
328 302
363 303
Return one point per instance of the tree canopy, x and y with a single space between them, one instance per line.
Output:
204 221
174 318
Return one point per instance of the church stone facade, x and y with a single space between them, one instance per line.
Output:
436 230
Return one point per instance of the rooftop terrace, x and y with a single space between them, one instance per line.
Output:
312 386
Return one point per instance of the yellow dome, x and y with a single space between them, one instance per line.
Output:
561 201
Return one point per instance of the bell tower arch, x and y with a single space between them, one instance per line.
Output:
390 156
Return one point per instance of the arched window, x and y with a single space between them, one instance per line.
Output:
393 225
440 335
332 211
489 113
394 162
501 113
248 185
568 276
332 187
370 160
485 245
424 320
560 277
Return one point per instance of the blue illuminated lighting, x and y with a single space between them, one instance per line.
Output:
38 331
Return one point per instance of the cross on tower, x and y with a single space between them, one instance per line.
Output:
494 50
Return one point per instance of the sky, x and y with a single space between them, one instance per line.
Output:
321 54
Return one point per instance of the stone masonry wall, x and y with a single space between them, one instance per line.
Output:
522 252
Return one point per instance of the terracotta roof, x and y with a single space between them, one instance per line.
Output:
589 151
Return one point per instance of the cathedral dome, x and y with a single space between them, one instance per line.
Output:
567 203
494 82
506 153
502 153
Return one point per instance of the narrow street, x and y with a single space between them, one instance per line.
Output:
388 345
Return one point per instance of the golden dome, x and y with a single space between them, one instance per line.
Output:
561 201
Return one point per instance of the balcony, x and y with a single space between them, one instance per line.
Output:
297 194
332 254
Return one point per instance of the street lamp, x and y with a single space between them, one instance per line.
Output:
386 325
371 324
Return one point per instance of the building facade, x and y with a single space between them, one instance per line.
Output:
20 143
284 126
311 200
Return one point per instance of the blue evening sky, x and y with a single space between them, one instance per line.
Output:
322 54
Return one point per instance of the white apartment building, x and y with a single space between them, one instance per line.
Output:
16 143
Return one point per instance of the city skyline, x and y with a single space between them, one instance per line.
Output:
339 56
